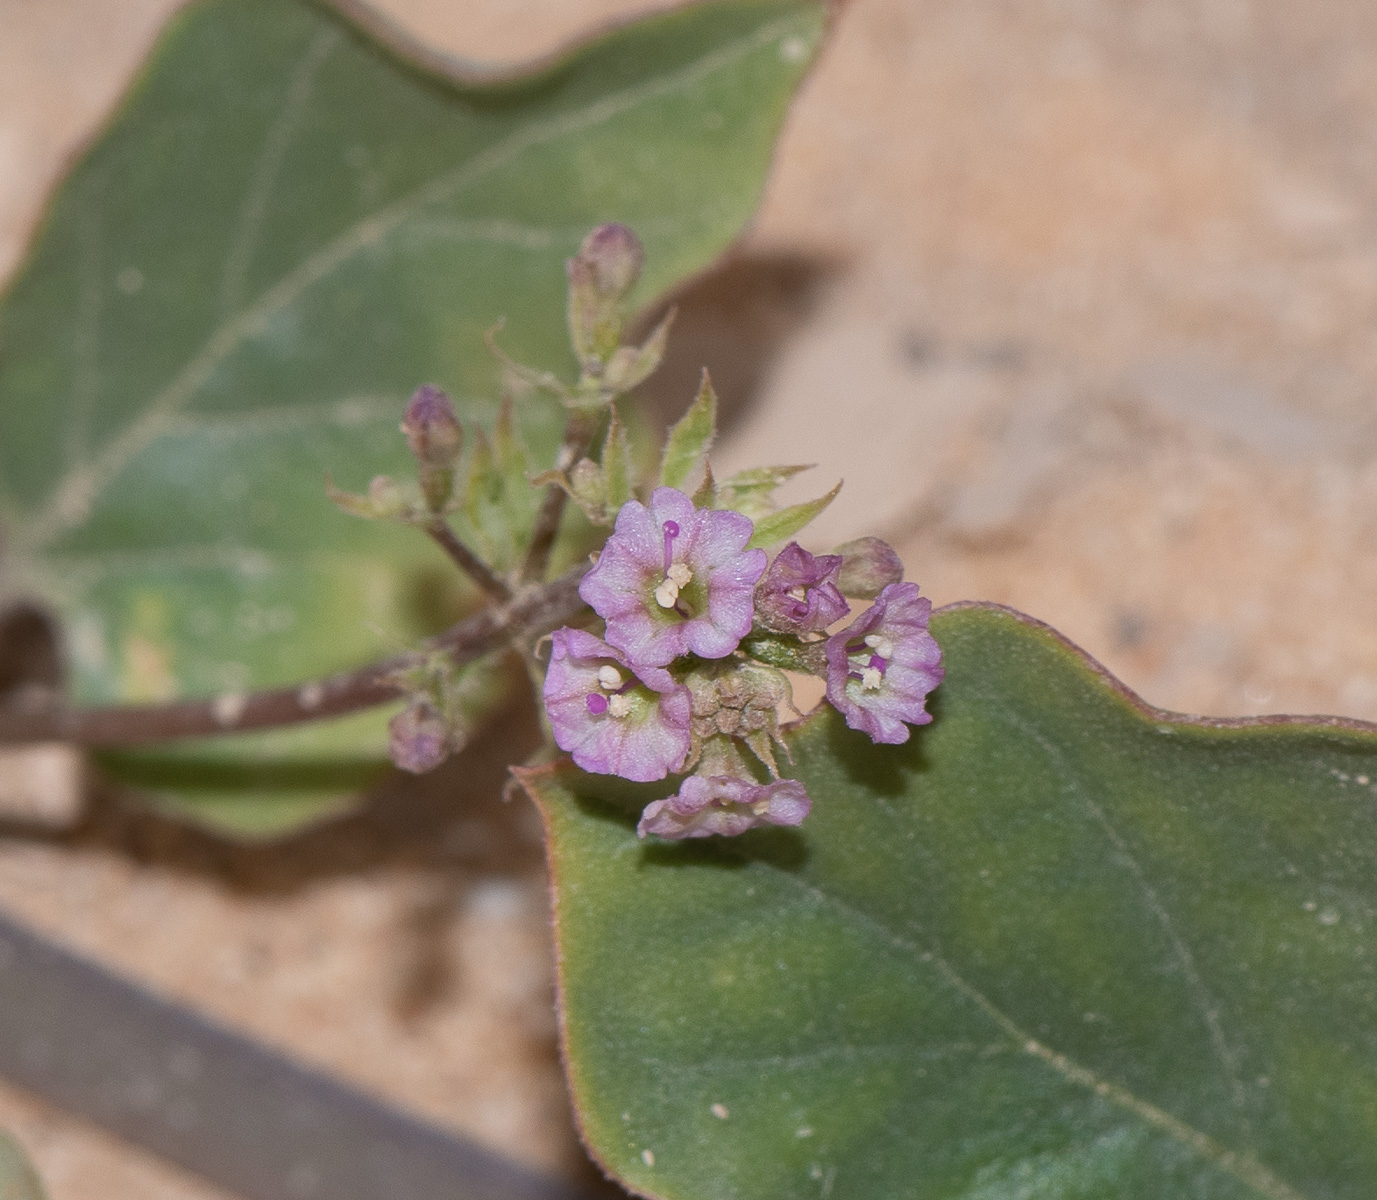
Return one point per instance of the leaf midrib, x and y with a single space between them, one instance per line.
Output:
1243 1167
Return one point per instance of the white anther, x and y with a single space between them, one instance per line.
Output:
609 678
881 645
667 594
870 679
618 706
679 575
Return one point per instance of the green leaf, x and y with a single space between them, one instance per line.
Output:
1059 944
689 440
753 491
282 231
18 1179
777 526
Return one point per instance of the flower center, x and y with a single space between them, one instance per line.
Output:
677 575
882 646
870 668
618 703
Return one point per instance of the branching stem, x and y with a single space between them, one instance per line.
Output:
531 612
578 436
467 561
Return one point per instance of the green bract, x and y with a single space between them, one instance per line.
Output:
1057 945
285 228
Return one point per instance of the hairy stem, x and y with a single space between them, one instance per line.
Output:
467 561
578 435
529 614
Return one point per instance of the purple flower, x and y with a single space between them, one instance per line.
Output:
674 579
613 718
721 804
881 667
799 592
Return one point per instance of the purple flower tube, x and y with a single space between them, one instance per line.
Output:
708 805
881 668
799 592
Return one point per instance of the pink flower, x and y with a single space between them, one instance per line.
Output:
615 719
799 592
674 579
720 804
881 668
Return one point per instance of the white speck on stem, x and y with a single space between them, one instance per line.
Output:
648 1157
310 696
720 1112
804 1131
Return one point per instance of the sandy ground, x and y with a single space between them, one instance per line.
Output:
1089 290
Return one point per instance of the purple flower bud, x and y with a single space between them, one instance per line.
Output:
613 717
436 439
881 667
799 592
614 257
674 579
432 430
418 738
869 565
721 804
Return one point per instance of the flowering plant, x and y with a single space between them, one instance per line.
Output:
688 675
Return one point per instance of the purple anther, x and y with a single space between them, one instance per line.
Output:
597 703
879 663
671 529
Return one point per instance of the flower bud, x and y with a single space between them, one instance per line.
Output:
615 256
436 439
418 738
869 565
600 275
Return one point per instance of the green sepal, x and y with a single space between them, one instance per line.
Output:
787 653
632 365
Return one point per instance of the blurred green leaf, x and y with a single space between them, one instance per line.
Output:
18 1179
283 230
1059 944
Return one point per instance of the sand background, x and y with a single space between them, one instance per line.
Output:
1077 297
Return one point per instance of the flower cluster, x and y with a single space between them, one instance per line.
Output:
686 675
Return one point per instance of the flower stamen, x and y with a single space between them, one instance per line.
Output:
882 646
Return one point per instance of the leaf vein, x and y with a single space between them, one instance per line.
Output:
271 156
72 498
1242 1167
1195 983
